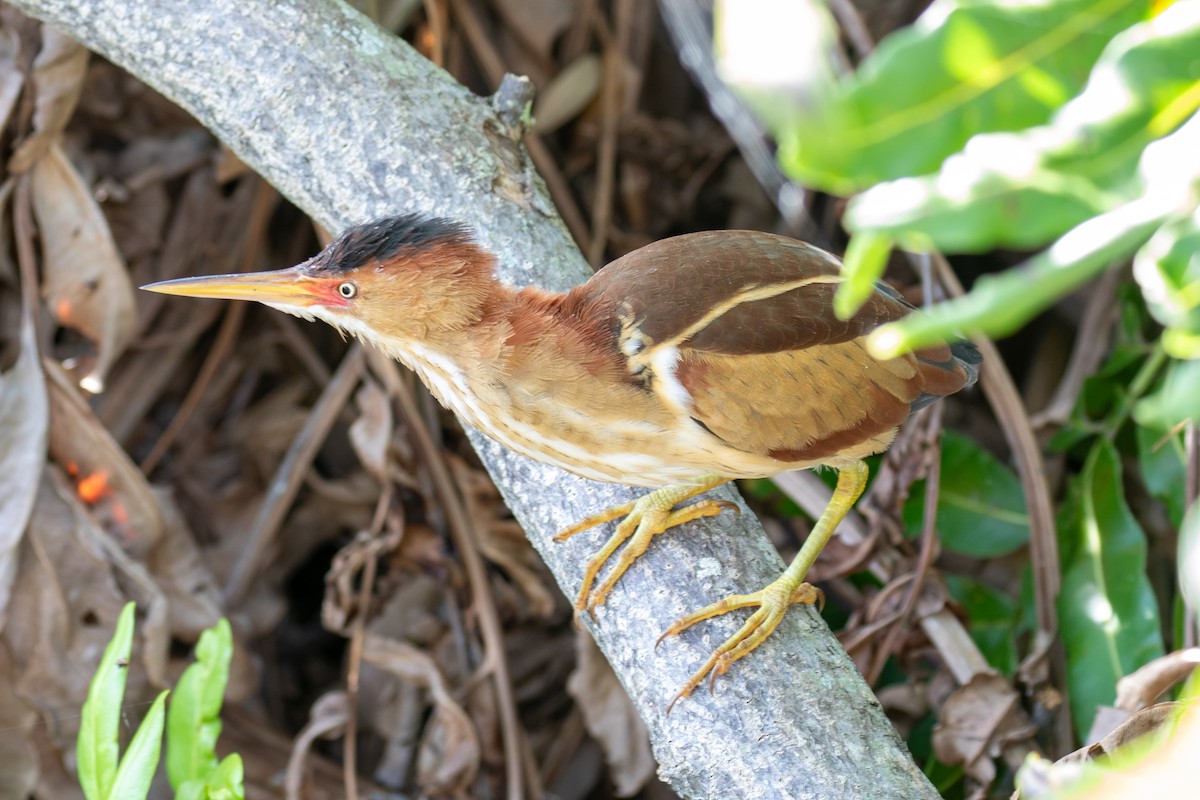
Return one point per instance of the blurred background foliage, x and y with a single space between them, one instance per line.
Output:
1064 135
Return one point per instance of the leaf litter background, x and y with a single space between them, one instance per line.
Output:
209 459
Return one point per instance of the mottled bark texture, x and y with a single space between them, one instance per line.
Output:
351 123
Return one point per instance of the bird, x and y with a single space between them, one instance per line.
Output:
688 363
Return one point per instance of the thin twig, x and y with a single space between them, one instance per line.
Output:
931 420
465 541
547 166
289 477
1001 392
606 147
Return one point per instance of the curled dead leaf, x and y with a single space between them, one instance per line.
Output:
86 284
976 722
569 93
610 718
57 81
24 418
449 755
115 488
11 77
371 433
1140 688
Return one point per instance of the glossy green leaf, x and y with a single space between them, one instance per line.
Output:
1176 400
1108 616
963 68
1168 270
194 721
1025 189
992 620
1163 466
999 304
863 266
98 747
981 508
141 757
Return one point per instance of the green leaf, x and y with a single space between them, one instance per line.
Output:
981 508
1176 401
999 304
226 781
1163 466
1023 190
98 747
141 759
194 721
1168 270
963 68
1108 616
865 260
993 617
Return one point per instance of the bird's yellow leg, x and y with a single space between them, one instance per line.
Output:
645 518
774 599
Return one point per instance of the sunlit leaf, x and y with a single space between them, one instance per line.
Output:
1108 614
963 68
141 757
1025 189
226 782
863 265
194 720
98 748
981 508
1168 270
1176 400
999 304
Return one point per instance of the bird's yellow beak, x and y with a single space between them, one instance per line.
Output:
282 286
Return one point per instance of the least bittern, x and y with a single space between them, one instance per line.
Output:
681 366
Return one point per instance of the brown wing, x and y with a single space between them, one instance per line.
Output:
737 329
735 292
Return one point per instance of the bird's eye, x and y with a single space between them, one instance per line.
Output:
347 290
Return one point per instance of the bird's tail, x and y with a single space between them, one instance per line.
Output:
946 370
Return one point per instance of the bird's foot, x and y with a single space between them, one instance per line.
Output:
772 602
645 518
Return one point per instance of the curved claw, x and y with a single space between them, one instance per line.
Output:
772 601
644 519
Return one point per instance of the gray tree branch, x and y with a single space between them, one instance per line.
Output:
351 123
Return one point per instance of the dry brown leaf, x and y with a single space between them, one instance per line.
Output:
568 94
1155 719
64 606
326 720
24 416
194 599
1161 767
610 718
270 426
503 541
101 468
449 755
1141 687
972 724
11 77
58 72
18 755
86 284
538 22
371 433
